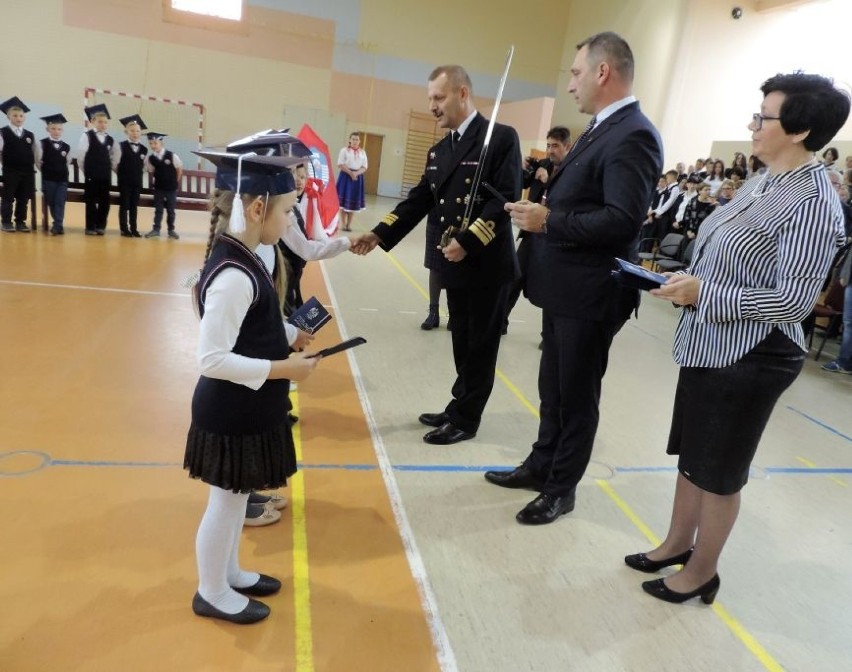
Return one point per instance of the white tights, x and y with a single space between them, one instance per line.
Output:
217 551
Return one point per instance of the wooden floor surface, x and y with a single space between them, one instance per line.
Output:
395 555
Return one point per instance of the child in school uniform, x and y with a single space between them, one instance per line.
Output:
52 158
95 147
128 162
166 167
239 439
17 155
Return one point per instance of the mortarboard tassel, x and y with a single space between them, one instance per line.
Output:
238 215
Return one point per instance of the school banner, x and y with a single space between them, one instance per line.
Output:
320 206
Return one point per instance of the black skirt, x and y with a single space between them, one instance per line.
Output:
244 462
720 413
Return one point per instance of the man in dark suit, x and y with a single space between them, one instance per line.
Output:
536 177
478 264
595 207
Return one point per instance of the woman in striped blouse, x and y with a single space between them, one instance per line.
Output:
758 266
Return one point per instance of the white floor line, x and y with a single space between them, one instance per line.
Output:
443 649
118 290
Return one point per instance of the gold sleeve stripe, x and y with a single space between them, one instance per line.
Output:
483 230
389 219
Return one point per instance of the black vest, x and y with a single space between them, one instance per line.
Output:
18 152
165 173
296 262
97 164
130 164
223 407
54 160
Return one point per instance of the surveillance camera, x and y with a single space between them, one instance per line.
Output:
736 13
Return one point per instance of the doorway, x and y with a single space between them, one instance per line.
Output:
372 145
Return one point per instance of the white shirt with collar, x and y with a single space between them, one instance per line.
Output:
612 108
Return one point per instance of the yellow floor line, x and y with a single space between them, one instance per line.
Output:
735 626
301 579
812 465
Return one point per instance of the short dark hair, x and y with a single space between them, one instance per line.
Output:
671 172
812 103
456 74
834 153
559 133
613 49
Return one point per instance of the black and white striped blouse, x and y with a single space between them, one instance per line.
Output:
762 260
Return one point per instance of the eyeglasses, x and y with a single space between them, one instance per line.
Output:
757 119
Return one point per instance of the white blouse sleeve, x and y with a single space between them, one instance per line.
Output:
226 303
341 157
312 250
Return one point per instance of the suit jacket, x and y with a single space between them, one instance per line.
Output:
598 198
441 193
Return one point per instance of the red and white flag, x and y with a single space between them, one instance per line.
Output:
320 207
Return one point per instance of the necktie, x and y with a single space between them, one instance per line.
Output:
456 139
586 131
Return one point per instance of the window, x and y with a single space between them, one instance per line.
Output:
224 9
220 15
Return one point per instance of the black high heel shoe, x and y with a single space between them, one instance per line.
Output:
707 592
643 563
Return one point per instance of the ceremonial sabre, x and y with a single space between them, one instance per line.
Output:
451 231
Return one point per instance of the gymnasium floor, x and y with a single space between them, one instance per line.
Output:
396 556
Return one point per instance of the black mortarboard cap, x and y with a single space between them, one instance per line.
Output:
271 143
258 175
94 109
133 117
152 135
14 101
57 118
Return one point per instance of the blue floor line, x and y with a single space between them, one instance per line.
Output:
820 423
443 468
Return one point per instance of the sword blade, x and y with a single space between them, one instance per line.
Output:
477 176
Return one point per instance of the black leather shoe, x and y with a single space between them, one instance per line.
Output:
135 234
126 234
434 419
266 585
446 434
520 477
255 611
545 509
641 562
661 591
432 321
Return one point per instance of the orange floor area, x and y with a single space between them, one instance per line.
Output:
98 519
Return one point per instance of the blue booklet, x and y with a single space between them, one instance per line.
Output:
637 277
310 316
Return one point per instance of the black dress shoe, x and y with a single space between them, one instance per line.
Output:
266 585
446 434
661 591
643 563
434 419
545 509
135 234
432 321
126 234
255 611
520 477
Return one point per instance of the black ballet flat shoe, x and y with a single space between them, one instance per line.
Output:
707 592
642 563
266 585
255 611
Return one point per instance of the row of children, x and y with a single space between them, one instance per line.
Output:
100 155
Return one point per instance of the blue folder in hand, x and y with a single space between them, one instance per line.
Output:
637 277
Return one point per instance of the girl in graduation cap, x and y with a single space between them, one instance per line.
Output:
240 439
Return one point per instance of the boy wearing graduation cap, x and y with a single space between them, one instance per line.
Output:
96 149
166 168
17 156
52 158
128 160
